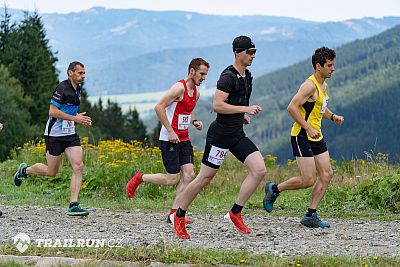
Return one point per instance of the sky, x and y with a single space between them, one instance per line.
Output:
315 10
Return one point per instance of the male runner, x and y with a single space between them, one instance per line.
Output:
60 136
175 111
231 102
307 108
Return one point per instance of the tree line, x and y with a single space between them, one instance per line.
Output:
28 77
365 88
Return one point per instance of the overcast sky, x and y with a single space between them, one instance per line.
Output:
305 9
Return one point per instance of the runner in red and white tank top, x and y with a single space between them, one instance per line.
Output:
179 115
175 111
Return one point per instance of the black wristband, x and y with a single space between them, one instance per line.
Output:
193 121
332 117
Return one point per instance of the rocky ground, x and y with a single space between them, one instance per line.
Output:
281 236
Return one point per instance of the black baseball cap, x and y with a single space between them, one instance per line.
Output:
242 43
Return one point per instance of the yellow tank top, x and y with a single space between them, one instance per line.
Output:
313 112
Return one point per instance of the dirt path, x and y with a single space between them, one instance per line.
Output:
276 235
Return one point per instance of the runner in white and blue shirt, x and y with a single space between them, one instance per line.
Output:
60 136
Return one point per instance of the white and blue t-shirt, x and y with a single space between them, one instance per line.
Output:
67 99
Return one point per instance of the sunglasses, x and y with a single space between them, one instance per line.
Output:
251 51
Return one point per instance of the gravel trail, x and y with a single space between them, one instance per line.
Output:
281 236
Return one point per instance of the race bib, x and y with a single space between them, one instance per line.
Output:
183 121
217 155
325 102
68 126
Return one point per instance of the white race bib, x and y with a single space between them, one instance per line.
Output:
325 102
217 155
68 126
183 121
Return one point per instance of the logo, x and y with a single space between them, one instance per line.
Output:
22 242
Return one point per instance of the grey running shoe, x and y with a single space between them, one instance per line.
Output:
270 197
314 222
77 210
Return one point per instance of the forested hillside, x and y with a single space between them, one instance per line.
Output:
365 89
28 77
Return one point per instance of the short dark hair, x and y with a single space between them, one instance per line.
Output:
321 55
72 66
196 63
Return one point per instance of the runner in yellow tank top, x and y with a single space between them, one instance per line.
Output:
313 111
307 108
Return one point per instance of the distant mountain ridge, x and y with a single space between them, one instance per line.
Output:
131 50
365 89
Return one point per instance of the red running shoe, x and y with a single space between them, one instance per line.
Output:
133 184
237 221
179 226
187 221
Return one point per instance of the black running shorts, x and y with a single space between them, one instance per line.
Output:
302 147
218 144
176 155
55 146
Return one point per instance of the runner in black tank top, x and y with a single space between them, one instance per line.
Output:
231 102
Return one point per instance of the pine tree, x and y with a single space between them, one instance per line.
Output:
112 121
30 60
6 30
95 132
156 134
13 114
134 126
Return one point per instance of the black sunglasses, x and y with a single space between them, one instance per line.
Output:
249 51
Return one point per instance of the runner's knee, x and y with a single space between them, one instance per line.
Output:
326 176
309 181
259 172
188 177
204 181
173 180
77 167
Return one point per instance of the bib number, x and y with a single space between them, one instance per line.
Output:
183 121
325 102
68 126
217 155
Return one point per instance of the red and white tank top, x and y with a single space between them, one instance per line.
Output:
178 114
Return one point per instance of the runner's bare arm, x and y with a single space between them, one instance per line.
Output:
220 106
193 114
306 90
331 116
196 123
173 94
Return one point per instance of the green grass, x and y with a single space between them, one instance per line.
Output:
339 202
167 254
11 264
361 189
